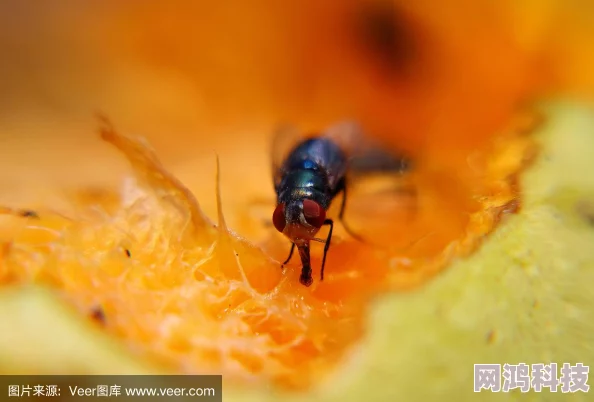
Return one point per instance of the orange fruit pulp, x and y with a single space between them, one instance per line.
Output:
156 273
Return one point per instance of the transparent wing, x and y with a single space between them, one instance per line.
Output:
382 196
365 156
376 159
284 139
348 135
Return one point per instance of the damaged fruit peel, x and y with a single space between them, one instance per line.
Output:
522 297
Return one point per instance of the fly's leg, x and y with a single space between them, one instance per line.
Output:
305 278
326 246
290 255
342 187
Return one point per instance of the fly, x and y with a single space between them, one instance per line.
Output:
307 178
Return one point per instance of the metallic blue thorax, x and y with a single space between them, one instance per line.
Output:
312 170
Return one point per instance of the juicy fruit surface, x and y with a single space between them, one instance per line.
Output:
152 269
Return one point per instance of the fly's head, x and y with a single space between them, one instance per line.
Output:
299 220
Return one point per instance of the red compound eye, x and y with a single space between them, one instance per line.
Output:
314 214
278 218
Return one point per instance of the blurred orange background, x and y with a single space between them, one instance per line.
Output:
190 76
